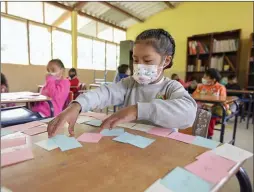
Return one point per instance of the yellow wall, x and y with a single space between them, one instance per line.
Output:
191 18
27 77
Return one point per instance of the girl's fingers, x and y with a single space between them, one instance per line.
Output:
51 126
115 122
107 122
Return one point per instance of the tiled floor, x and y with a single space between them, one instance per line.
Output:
244 140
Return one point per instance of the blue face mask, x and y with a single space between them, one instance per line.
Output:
224 81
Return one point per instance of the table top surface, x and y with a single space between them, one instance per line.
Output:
40 86
105 166
215 99
22 97
240 91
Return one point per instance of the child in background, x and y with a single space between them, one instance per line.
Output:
123 72
211 86
4 84
74 81
233 84
147 95
56 87
177 78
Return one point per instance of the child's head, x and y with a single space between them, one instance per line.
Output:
72 73
175 77
153 52
4 80
124 69
211 76
56 67
232 79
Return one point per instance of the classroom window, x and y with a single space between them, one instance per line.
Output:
28 10
111 61
119 35
117 55
105 32
66 24
52 13
98 55
14 44
85 53
40 44
86 26
3 6
62 49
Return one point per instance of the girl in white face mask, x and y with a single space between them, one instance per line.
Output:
146 96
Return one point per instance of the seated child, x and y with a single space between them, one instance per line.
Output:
233 84
211 86
177 78
123 72
56 87
5 89
74 81
147 95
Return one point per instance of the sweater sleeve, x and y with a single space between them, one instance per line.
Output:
177 111
104 96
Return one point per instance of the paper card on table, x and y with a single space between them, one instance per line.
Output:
207 171
126 125
157 187
181 180
35 130
7 143
90 137
16 156
47 120
181 137
125 138
163 132
217 161
141 142
4 189
5 131
95 122
100 116
83 119
112 132
203 142
47 144
233 153
23 127
142 127
66 143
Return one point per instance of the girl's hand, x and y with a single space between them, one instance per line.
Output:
69 115
125 115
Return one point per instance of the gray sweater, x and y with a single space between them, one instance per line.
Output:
166 103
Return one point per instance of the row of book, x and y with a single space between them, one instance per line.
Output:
225 45
196 47
222 63
197 68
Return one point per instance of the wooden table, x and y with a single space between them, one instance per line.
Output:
250 94
221 101
107 166
26 97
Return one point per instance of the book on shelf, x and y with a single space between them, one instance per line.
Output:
225 45
197 47
217 63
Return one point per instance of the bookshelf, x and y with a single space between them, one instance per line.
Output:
250 66
220 50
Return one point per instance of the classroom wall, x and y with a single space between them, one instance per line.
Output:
190 18
27 77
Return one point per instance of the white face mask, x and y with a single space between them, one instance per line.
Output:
205 82
145 74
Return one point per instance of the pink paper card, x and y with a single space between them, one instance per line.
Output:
181 137
25 126
90 137
163 132
35 130
207 171
216 160
8 143
16 156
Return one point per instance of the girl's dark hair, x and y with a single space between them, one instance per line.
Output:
73 70
4 81
161 40
123 68
213 74
173 76
232 77
58 62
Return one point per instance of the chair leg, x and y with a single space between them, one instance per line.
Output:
244 181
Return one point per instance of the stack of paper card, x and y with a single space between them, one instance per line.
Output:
157 187
181 137
126 125
95 123
12 142
136 140
163 132
100 116
6 132
23 127
47 144
203 142
142 127
90 137
35 130
83 119
112 132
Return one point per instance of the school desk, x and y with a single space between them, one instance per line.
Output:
26 97
93 85
106 166
219 100
250 94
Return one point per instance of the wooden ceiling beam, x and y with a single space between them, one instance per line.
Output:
120 10
169 4
79 5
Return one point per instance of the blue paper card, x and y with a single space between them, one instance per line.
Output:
180 180
203 142
66 143
95 122
112 132
125 137
6 132
141 142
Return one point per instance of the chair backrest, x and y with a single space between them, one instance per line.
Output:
201 123
82 86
